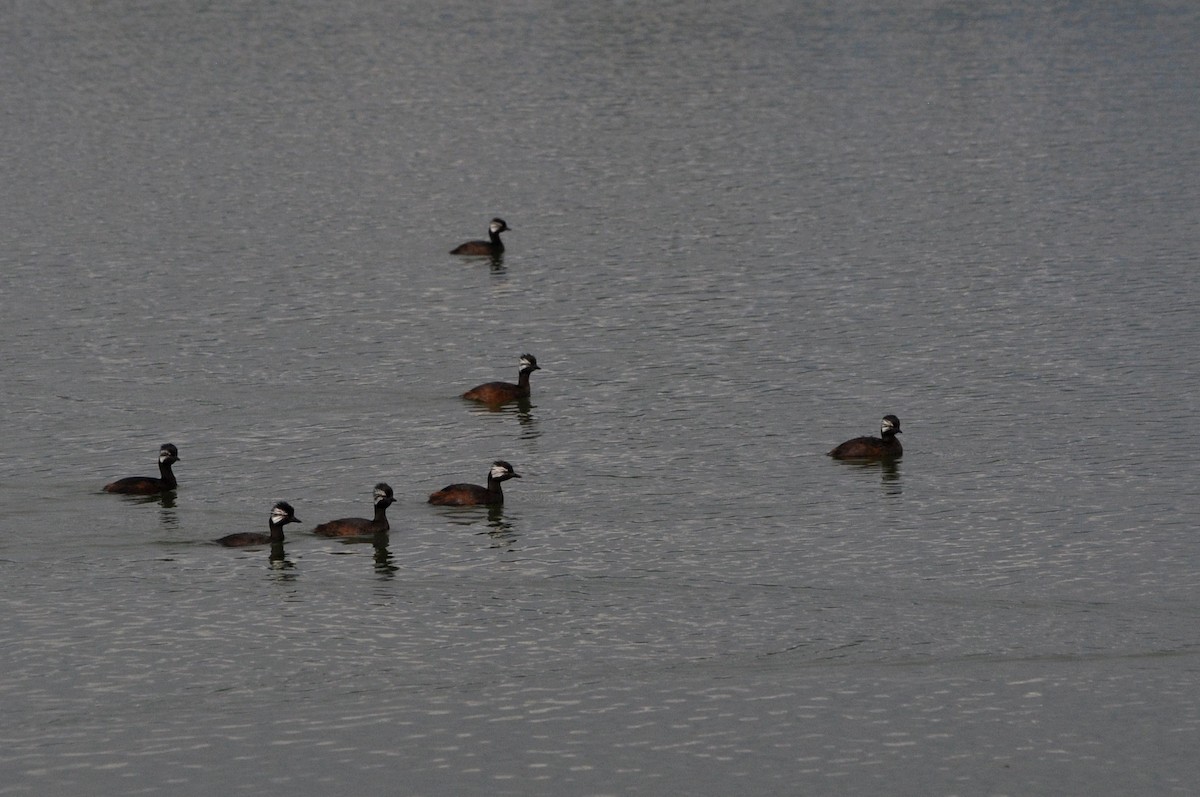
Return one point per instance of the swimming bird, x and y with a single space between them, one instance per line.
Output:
281 514
492 246
884 447
474 494
361 527
500 392
168 455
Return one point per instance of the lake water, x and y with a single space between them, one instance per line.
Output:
742 233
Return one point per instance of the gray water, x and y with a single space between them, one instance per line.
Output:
741 234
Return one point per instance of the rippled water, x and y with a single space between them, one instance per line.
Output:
740 236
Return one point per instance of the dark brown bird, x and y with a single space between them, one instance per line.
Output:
884 447
501 392
492 246
281 514
168 455
361 527
475 495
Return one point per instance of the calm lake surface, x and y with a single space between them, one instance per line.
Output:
742 233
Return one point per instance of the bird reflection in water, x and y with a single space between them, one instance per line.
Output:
522 409
501 531
889 471
165 500
382 559
167 516
889 475
385 565
525 419
281 567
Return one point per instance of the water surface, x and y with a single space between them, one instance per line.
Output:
740 236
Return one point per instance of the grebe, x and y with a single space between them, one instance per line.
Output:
168 455
492 246
361 527
501 392
473 494
281 514
884 447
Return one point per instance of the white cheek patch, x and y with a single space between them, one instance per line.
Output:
494 227
380 495
498 471
278 516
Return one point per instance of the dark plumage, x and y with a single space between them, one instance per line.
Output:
884 447
492 246
501 392
281 514
168 455
361 527
473 494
